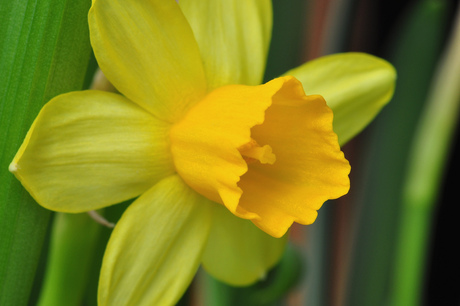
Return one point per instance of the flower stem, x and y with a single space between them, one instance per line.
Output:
73 241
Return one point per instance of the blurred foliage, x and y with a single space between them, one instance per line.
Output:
415 53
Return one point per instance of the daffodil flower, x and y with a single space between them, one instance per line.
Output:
220 164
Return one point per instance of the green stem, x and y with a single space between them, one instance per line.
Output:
73 242
430 152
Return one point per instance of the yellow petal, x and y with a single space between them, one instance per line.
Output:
90 149
355 85
238 253
148 52
233 36
205 143
155 249
309 167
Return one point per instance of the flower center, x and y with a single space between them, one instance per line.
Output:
253 152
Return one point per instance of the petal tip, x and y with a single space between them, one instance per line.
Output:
13 167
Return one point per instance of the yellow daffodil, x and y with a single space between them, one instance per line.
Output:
220 164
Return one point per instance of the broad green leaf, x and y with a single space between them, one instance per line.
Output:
45 51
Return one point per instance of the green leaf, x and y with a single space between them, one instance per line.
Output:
45 51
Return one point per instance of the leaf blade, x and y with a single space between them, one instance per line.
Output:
39 37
